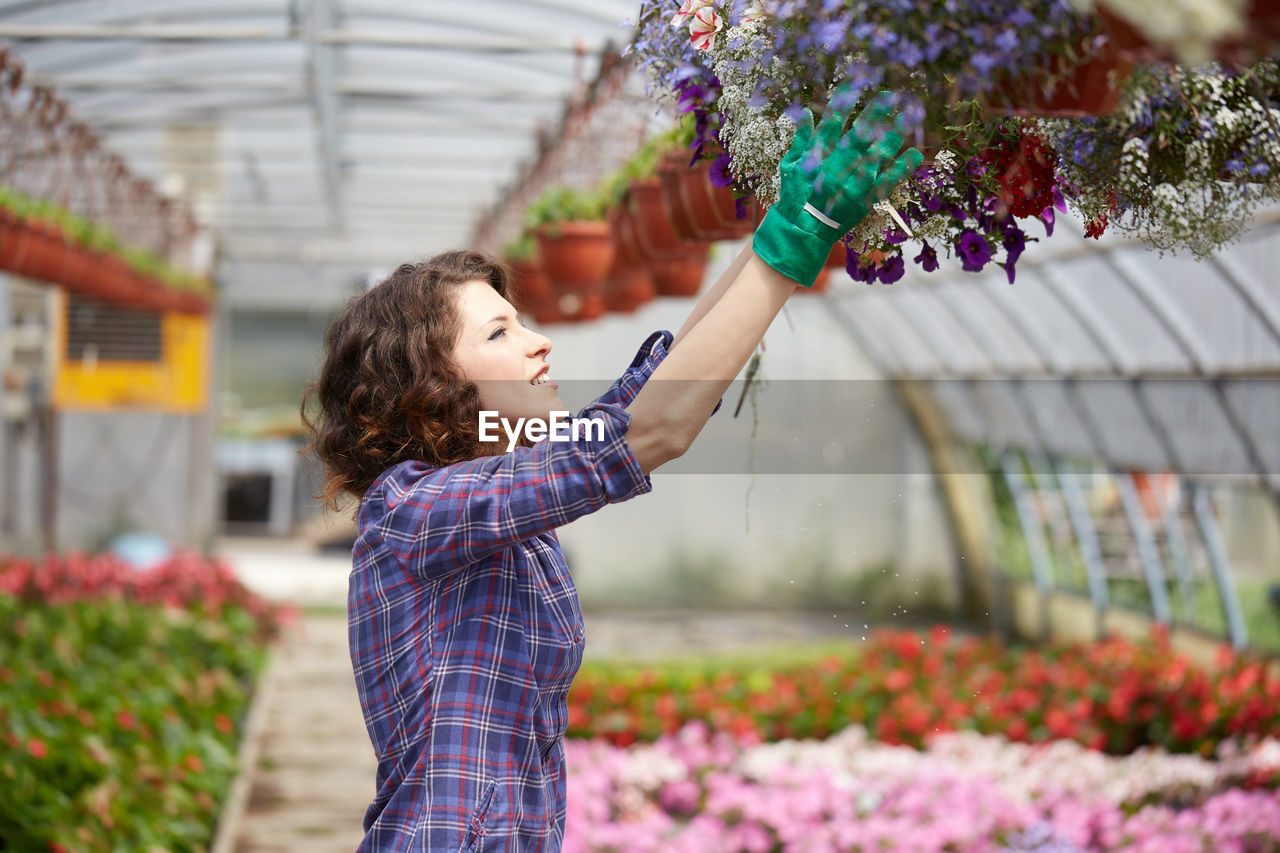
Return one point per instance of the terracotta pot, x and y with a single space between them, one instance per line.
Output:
628 287
579 306
681 275
669 171
655 235
713 210
1092 88
576 255
529 281
621 225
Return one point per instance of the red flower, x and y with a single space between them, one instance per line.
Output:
37 747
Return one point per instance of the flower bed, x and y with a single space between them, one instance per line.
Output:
904 686
121 693
696 792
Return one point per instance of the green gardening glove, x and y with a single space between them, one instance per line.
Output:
829 185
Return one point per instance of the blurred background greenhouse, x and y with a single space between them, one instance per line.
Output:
193 191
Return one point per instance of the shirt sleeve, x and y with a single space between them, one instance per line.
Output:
648 357
439 520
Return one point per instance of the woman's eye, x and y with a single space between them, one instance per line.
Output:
497 333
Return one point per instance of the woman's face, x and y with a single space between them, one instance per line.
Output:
506 361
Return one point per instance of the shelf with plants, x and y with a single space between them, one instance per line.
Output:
1002 98
44 241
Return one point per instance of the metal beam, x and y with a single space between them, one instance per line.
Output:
1237 629
322 75
291 85
329 35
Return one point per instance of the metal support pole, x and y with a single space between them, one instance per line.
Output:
1148 554
1237 631
1086 539
1033 533
1179 556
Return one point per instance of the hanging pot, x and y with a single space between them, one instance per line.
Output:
576 255
1092 88
714 210
655 235
677 211
622 227
680 275
529 281
628 287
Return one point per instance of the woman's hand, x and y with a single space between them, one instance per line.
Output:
829 185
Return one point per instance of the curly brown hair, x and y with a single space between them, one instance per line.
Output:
389 390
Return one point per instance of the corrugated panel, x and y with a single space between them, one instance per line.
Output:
990 328
965 413
948 340
1202 437
910 349
1127 436
1256 403
1124 325
1057 415
1050 327
1007 422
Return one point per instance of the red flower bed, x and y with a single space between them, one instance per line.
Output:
187 580
1113 695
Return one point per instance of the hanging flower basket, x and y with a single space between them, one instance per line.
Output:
531 285
628 287
622 226
680 275
714 210
1092 88
655 234
576 255
677 211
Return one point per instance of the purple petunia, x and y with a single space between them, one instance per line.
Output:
974 250
720 175
928 257
892 269
858 271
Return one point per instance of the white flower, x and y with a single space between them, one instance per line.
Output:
705 24
687 10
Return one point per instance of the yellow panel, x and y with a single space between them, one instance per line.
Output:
176 383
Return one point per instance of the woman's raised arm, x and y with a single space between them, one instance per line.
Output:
828 185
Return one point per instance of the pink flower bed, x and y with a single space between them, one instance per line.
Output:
965 793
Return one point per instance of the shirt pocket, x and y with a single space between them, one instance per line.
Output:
473 838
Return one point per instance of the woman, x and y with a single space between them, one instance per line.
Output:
464 625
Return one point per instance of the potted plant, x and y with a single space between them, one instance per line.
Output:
575 245
45 241
530 283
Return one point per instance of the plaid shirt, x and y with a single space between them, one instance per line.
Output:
466 632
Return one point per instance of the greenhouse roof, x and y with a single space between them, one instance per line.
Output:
359 132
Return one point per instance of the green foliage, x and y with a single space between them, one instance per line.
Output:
95 237
565 204
120 723
522 248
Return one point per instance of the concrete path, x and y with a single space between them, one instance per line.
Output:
309 769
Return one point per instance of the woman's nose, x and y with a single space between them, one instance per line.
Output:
539 345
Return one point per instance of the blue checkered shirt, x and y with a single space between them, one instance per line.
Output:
466 632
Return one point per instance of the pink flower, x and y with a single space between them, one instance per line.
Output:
705 24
